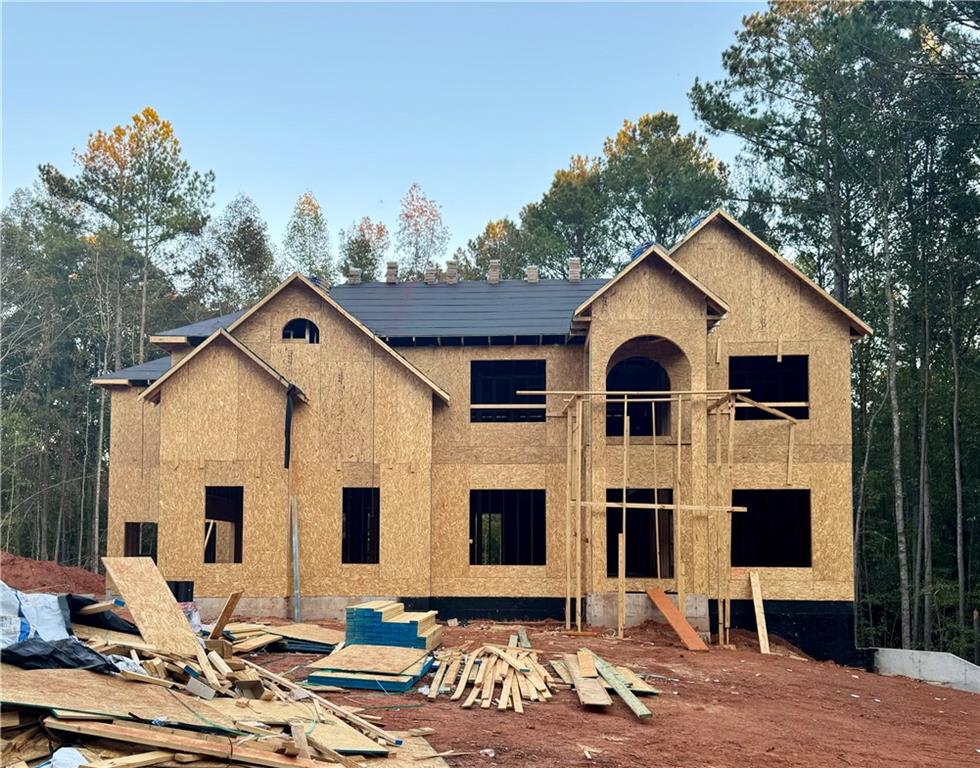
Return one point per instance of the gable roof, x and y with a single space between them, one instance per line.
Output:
296 277
656 251
858 326
152 393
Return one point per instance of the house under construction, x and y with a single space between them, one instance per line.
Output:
510 448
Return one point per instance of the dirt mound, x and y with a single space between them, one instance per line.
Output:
29 575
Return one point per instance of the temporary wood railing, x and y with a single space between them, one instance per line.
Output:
574 484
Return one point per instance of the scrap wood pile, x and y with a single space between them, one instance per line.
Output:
172 700
522 678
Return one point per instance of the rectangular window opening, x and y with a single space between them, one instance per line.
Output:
494 384
361 525
649 533
775 532
223 507
507 527
780 384
140 540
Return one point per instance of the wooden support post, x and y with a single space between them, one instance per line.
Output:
578 513
294 527
675 515
621 613
731 438
656 487
779 349
718 351
789 453
621 603
760 613
568 520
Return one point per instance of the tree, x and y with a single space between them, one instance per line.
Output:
307 242
657 181
235 264
502 240
363 247
570 221
422 236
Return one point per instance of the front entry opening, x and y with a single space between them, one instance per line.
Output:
649 534
637 374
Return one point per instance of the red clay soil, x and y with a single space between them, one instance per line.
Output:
48 576
721 708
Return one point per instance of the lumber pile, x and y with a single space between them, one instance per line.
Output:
385 622
177 699
390 669
592 678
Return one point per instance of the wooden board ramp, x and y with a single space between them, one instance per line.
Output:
152 605
760 614
691 639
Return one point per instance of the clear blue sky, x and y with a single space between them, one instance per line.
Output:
478 103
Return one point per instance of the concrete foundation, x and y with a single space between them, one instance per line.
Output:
601 608
312 608
929 666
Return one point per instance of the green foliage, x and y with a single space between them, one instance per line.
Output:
307 243
363 247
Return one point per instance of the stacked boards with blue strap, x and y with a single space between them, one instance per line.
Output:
385 622
386 668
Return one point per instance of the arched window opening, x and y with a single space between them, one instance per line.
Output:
637 374
299 329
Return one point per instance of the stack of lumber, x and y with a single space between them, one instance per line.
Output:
592 678
385 622
247 637
507 677
390 669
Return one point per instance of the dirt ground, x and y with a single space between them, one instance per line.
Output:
48 576
721 708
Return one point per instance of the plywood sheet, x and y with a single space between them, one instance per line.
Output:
330 731
309 632
79 690
148 598
383 659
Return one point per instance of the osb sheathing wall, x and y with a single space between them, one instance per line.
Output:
772 311
492 456
134 478
649 301
367 423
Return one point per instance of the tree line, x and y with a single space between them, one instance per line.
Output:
860 128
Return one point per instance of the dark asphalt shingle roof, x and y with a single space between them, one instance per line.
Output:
151 370
402 310
468 308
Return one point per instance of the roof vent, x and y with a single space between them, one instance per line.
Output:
493 274
452 271
354 278
391 276
575 269
431 276
532 274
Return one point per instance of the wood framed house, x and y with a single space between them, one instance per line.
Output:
702 395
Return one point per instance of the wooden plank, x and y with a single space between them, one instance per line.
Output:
152 604
760 613
436 683
254 643
136 677
139 760
297 729
586 665
227 749
226 613
578 513
619 685
383 659
590 692
464 678
692 641
294 533
102 607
